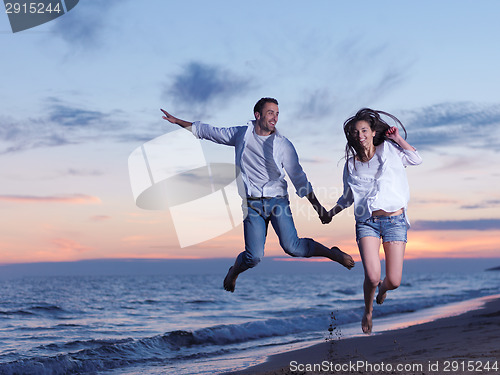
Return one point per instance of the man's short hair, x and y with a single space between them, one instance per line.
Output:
262 102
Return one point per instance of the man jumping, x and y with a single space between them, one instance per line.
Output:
263 156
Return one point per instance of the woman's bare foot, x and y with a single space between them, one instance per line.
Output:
381 296
366 323
230 280
341 257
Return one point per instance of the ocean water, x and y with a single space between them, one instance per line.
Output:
187 324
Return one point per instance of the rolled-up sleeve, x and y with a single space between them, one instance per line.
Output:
347 198
295 171
411 157
224 136
408 157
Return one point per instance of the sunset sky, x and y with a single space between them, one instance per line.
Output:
79 94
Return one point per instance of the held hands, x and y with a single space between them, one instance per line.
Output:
318 207
324 215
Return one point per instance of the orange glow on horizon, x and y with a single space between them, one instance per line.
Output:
72 199
109 242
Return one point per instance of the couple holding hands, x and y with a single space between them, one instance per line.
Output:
374 181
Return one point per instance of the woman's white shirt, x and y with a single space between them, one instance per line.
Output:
380 183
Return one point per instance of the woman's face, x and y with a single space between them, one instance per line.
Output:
364 134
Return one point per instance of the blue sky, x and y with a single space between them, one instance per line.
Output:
81 92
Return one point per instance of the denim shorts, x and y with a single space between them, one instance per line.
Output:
389 228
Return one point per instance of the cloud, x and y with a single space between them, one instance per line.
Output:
63 124
478 224
68 246
315 160
200 84
367 83
459 123
390 79
342 78
68 116
71 199
82 172
135 239
84 25
434 201
317 104
99 218
484 204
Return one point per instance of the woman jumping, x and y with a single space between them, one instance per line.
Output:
375 181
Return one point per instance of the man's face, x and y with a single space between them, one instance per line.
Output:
268 119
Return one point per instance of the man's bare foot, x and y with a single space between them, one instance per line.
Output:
230 280
366 323
342 258
381 297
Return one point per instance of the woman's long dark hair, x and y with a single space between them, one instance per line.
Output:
372 117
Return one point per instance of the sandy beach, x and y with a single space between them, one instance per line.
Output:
467 343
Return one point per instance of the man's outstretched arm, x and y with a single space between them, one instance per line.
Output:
224 136
174 120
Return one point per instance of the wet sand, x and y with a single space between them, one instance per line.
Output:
468 343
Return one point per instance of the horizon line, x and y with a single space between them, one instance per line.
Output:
273 258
